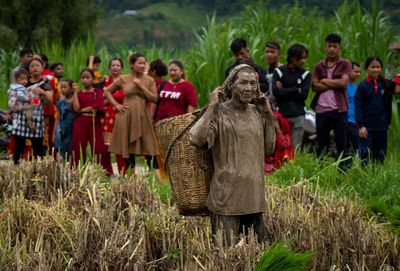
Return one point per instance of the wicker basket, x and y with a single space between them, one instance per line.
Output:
190 169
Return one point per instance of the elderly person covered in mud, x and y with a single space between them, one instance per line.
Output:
240 135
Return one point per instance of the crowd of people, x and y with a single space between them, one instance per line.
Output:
116 113
358 115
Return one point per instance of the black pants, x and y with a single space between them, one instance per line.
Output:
332 120
37 147
233 226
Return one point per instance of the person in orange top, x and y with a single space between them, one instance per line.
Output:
49 110
93 62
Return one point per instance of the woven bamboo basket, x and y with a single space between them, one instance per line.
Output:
189 168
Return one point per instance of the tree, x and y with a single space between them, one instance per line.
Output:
48 20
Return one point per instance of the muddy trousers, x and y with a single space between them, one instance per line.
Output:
232 226
86 129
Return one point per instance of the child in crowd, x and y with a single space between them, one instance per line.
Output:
88 105
373 106
19 98
57 69
352 130
93 62
272 52
65 119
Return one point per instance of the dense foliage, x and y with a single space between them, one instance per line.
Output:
27 22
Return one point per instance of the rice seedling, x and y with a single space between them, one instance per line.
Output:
278 257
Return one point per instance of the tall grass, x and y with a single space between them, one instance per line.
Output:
52 218
364 33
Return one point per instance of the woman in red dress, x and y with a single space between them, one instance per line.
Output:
107 122
88 105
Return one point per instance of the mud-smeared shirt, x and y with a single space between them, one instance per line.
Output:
239 141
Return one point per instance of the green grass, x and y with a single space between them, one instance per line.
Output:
376 186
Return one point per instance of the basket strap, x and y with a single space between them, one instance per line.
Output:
197 114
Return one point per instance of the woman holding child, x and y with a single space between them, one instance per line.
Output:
38 95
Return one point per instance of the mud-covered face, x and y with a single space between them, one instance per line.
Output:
244 89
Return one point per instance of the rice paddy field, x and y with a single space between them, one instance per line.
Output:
318 217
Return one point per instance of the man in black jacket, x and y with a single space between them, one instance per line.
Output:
290 85
241 52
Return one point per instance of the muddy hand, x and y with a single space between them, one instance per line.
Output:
215 95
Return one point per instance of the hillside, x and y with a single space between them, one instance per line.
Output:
167 24
171 23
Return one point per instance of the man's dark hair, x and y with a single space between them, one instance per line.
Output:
296 51
25 51
19 73
238 44
159 67
354 64
333 38
273 44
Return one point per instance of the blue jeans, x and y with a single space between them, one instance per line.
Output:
375 146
